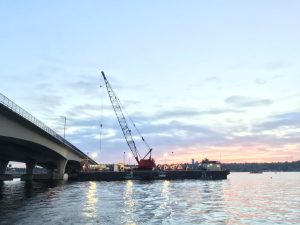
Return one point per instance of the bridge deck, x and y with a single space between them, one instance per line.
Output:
10 108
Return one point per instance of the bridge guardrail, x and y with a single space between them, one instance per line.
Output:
26 115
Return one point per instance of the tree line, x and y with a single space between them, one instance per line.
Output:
273 166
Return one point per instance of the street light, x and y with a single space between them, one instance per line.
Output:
94 155
65 123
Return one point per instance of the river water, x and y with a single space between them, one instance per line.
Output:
268 198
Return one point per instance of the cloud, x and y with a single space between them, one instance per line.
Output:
176 112
260 81
49 103
213 79
291 119
88 85
220 111
277 76
175 134
255 140
276 65
44 87
190 112
172 133
85 86
86 110
242 101
83 130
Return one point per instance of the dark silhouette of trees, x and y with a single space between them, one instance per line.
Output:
274 166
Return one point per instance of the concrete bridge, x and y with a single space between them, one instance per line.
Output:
23 138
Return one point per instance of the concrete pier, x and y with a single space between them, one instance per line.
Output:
3 166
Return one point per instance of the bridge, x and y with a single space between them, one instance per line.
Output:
24 138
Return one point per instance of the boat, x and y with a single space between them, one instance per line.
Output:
213 170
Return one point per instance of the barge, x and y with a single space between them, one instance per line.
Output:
146 166
207 170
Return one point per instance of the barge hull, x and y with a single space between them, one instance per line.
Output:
153 175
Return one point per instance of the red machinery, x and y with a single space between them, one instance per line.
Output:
143 163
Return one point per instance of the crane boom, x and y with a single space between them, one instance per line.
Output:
122 121
142 162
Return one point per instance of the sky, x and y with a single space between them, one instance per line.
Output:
216 79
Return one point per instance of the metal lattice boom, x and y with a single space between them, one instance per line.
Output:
122 121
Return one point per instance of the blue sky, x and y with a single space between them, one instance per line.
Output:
200 78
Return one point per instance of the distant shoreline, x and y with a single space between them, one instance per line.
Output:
266 167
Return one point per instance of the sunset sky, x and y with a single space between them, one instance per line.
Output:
216 79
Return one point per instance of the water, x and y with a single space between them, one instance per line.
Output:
268 198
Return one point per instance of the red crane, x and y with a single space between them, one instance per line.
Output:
143 163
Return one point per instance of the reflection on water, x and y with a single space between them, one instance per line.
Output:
164 207
129 205
242 199
90 207
165 193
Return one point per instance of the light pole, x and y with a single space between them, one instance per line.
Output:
65 123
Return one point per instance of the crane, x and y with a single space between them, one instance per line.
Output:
143 163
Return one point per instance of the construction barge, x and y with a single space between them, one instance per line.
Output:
207 170
146 167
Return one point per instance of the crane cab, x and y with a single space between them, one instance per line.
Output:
147 164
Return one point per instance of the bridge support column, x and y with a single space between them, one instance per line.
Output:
29 170
61 166
3 165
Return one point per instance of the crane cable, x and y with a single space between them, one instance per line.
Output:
101 118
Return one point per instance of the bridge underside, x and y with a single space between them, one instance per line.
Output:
13 149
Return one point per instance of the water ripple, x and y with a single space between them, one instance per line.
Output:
268 198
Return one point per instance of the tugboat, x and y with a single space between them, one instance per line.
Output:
212 170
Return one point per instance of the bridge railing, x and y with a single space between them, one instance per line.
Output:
26 115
